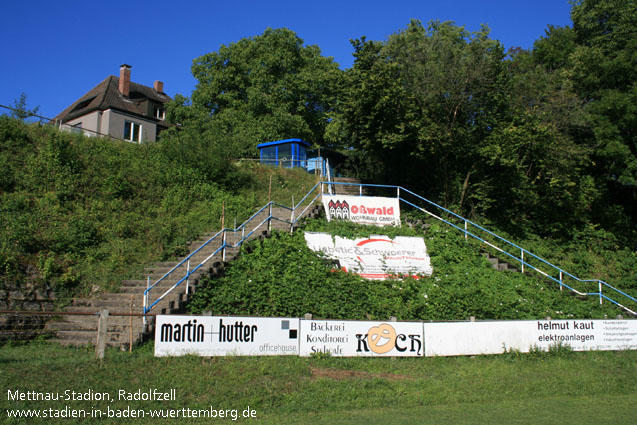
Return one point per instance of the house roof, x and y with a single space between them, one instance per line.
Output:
106 95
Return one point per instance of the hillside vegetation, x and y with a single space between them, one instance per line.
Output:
281 276
79 214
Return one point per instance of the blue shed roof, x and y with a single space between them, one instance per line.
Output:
282 142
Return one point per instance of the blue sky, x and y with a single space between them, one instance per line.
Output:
55 51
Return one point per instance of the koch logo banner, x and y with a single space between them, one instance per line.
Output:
363 209
361 339
221 336
376 257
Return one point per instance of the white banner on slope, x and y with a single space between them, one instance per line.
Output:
470 338
373 210
376 257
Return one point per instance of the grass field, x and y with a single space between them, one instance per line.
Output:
537 388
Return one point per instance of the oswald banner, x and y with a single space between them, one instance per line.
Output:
470 338
221 336
363 209
342 338
376 257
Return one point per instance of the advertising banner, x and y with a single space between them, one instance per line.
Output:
373 210
471 338
342 338
221 336
376 257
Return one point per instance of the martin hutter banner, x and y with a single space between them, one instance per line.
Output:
226 336
363 209
375 257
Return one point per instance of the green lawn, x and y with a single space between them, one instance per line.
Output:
582 388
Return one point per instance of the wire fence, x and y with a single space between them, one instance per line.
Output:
26 115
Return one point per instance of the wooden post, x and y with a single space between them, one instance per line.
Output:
102 327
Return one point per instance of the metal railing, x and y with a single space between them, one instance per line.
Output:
525 258
229 238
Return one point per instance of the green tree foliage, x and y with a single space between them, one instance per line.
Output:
604 69
20 110
259 89
596 59
443 112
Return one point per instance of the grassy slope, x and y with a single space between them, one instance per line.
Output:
78 213
282 277
568 387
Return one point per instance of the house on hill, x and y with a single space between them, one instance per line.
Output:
118 108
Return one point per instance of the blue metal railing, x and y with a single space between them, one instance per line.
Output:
469 228
188 266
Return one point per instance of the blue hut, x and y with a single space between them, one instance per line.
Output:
285 153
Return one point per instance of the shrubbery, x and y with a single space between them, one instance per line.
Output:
80 213
281 276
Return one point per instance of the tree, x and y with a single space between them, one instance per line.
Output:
604 71
20 110
263 88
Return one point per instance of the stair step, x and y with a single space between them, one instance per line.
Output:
81 330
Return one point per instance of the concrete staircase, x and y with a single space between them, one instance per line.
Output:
344 189
500 264
81 327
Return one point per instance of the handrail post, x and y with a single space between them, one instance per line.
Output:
561 279
522 262
223 249
292 216
146 297
465 230
360 190
600 292
188 277
270 218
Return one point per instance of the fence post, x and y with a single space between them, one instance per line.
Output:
561 278
102 327
522 261
465 230
600 292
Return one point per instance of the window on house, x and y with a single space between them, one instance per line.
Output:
160 113
132 131
77 128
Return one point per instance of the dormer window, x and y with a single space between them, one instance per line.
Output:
159 113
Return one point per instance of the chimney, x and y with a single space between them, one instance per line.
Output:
158 86
124 79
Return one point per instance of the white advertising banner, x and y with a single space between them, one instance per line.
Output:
471 338
376 257
342 338
373 210
221 336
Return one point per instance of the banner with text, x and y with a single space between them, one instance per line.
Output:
221 336
363 209
376 257
471 338
342 338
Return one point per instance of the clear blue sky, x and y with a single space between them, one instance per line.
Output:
55 51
